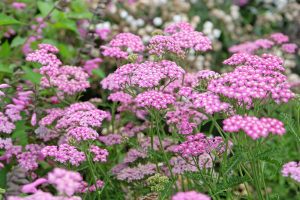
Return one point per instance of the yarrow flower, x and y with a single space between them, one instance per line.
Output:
289 48
127 41
196 145
136 173
180 165
279 38
260 78
66 182
134 154
146 75
154 99
291 169
208 101
100 155
82 114
68 79
252 47
120 97
5 125
111 139
64 153
92 64
184 117
160 45
43 195
191 195
253 126
82 133
28 160
177 27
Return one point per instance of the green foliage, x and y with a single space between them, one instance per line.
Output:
7 20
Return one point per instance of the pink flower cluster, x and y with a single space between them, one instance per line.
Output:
120 97
83 114
253 126
136 173
191 195
199 144
43 195
208 101
160 44
274 39
259 78
178 27
127 41
28 160
68 79
146 75
134 154
85 188
66 182
184 117
100 155
38 31
92 64
5 125
18 5
154 99
182 37
110 139
180 165
82 133
19 103
291 169
64 153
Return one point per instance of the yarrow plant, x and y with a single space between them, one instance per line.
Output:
150 128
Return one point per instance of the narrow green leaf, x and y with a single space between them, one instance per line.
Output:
31 75
99 72
20 133
17 41
7 20
5 69
5 50
44 7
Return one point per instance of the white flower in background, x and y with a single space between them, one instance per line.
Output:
140 22
123 14
157 21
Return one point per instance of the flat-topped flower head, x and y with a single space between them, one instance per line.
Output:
146 75
184 117
120 97
199 144
192 40
191 195
154 99
177 27
259 78
160 44
128 40
5 125
64 153
279 38
68 79
291 169
100 155
289 48
253 126
123 44
66 182
136 173
82 133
